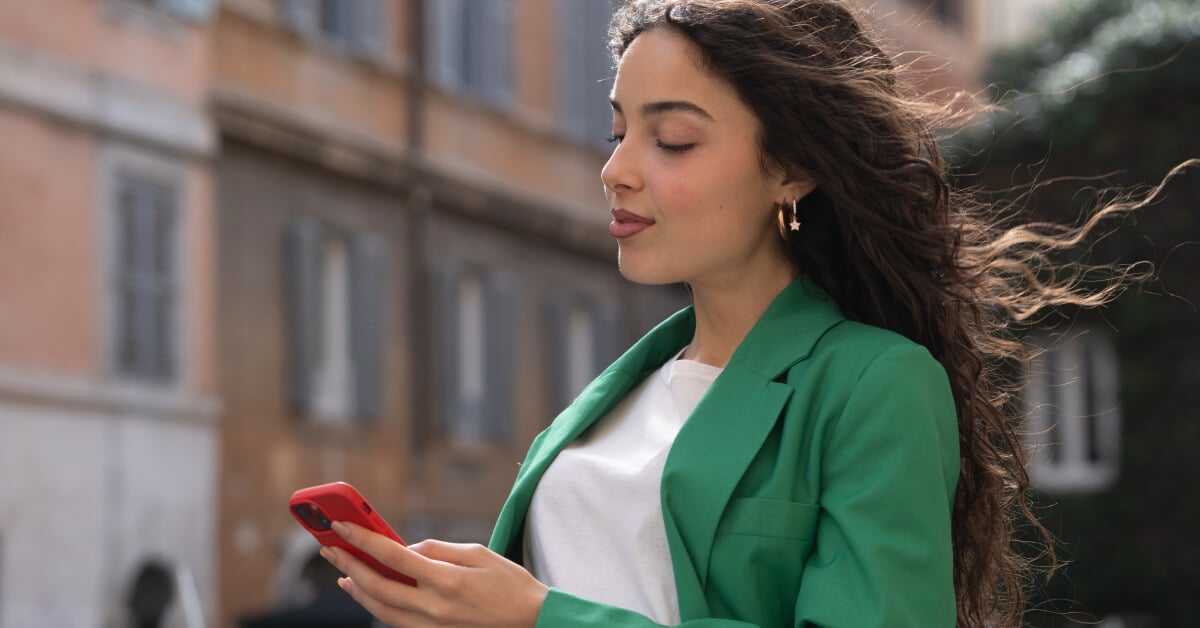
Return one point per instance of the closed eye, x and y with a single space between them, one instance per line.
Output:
675 148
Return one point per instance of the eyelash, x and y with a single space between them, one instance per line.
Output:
670 148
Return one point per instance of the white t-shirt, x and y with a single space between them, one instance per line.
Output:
595 524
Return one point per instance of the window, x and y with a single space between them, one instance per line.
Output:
1074 416
475 322
582 341
335 283
146 278
357 26
585 72
468 48
197 10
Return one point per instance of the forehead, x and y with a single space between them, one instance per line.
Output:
663 65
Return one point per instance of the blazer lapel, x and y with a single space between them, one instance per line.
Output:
728 427
718 442
647 355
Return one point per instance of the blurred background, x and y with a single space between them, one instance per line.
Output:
248 246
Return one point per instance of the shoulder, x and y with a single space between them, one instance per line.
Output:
852 350
863 377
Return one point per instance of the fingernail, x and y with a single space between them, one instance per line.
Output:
327 554
342 529
342 582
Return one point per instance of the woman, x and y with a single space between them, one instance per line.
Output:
822 438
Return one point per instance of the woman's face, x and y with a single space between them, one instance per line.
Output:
691 202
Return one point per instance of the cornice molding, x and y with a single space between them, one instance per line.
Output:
103 102
452 189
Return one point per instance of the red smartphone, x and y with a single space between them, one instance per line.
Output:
316 507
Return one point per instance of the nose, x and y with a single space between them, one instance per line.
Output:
620 173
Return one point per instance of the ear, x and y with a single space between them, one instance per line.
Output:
796 186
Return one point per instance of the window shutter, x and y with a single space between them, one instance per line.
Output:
445 325
164 296
585 69
367 259
197 10
496 76
128 275
302 15
369 27
305 311
500 301
444 43
145 276
572 67
557 311
599 73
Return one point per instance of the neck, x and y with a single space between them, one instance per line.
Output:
725 313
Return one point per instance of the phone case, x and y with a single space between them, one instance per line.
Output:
316 507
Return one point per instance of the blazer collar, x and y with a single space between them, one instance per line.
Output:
788 330
785 334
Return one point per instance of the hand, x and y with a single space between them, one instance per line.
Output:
457 584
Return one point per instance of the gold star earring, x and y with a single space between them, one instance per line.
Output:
795 223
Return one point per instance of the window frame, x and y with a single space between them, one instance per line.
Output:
449 62
580 105
366 24
117 162
604 342
365 262
1073 413
496 423
196 11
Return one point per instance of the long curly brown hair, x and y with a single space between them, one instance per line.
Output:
897 246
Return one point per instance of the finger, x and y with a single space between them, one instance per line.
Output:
464 554
385 550
389 615
379 587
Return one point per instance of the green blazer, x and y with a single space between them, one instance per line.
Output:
812 485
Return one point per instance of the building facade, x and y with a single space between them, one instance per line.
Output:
108 386
248 246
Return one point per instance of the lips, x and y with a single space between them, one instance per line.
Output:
626 224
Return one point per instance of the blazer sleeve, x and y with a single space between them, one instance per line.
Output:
883 554
564 610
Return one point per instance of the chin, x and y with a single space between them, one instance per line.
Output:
645 274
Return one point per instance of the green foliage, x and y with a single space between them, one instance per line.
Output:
1113 86
1130 68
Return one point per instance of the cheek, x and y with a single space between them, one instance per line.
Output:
681 195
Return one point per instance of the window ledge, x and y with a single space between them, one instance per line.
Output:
109 397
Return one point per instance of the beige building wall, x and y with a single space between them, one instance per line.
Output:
105 474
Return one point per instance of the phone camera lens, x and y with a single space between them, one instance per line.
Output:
313 517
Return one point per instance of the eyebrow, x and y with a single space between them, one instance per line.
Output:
667 106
